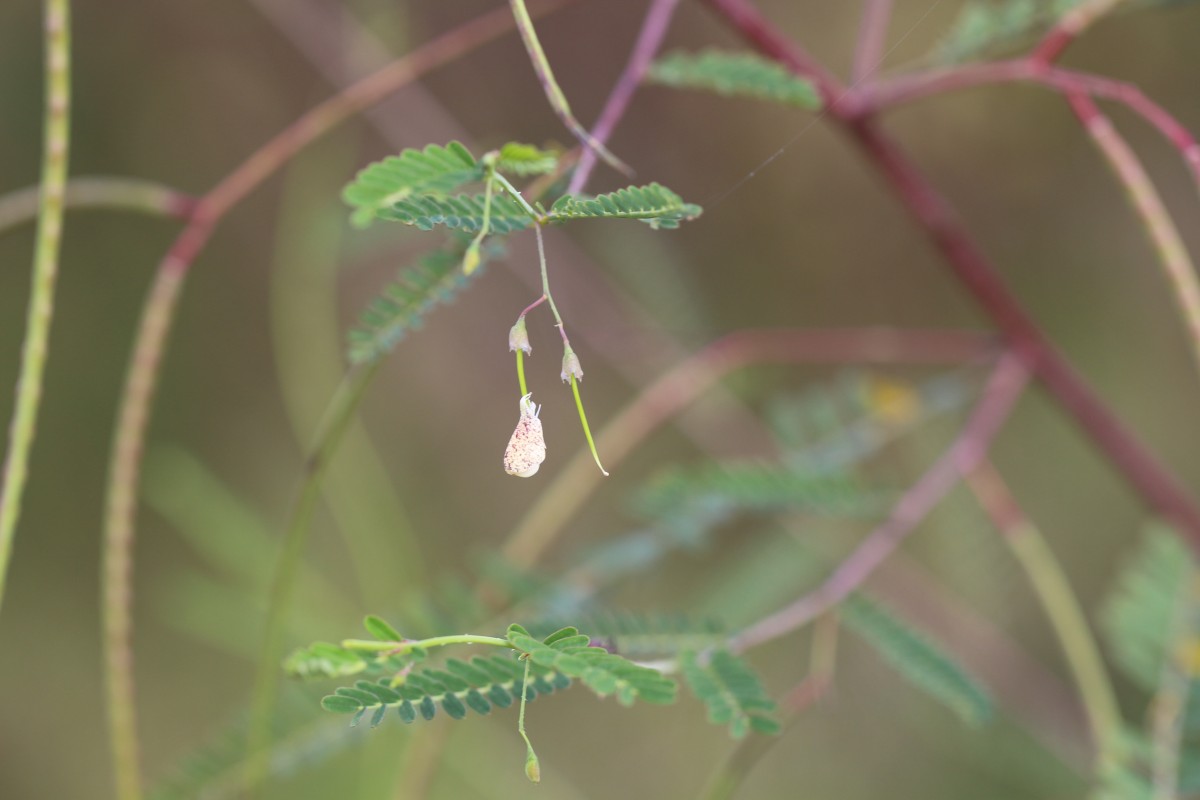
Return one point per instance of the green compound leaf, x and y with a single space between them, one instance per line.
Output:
524 160
567 652
919 659
734 75
653 204
477 685
434 170
436 278
732 692
1138 617
458 212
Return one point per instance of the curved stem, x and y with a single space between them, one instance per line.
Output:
1003 389
1068 28
1164 236
124 194
1061 607
907 88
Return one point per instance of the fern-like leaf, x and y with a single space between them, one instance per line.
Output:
732 692
735 75
524 160
752 486
1137 618
919 659
402 306
653 204
570 653
460 212
434 170
476 685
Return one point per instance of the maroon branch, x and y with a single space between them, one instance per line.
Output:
968 451
973 269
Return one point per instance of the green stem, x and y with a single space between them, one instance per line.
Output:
399 648
329 434
533 769
1062 608
126 194
558 100
55 142
521 372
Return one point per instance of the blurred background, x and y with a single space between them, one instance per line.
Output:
796 232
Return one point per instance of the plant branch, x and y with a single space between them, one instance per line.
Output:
1003 389
973 269
126 194
554 94
158 313
676 389
55 142
907 88
654 28
1068 28
872 35
1164 235
1062 609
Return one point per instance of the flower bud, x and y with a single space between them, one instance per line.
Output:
571 367
518 337
471 258
533 770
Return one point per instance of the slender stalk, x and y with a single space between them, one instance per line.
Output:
654 29
400 648
1058 601
1068 28
907 88
158 314
55 142
125 194
558 100
1164 235
969 264
676 389
532 769
521 372
329 434
872 35
1003 389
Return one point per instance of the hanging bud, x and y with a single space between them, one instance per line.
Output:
518 337
533 770
471 259
527 448
571 368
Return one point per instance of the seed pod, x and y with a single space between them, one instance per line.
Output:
527 448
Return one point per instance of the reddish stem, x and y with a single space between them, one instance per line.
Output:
968 451
872 35
654 28
969 263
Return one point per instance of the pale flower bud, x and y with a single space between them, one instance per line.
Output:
518 337
571 368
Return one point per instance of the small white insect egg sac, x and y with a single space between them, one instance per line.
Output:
527 448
